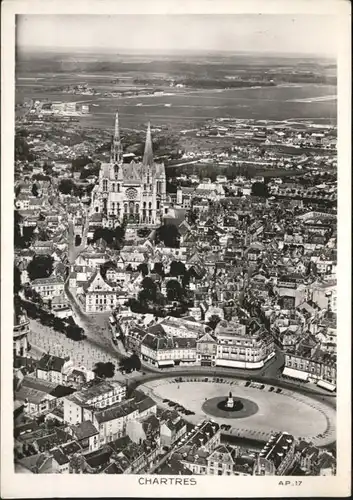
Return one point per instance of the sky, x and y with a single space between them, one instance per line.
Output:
270 33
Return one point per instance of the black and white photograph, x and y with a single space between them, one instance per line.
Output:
173 189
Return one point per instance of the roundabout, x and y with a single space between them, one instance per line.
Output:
217 407
261 411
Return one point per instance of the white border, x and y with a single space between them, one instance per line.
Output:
31 486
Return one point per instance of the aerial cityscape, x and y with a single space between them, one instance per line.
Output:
175 249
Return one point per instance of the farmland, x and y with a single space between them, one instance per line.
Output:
44 77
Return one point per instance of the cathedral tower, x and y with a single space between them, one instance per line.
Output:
116 153
148 154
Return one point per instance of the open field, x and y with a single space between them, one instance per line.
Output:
288 411
189 108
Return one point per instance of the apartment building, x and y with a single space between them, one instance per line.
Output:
82 404
243 346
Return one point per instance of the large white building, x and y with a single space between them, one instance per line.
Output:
135 192
82 405
243 346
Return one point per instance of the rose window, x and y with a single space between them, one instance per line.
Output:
131 193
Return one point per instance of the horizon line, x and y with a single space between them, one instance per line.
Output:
150 51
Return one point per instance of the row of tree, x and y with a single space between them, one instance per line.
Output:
169 235
114 238
66 326
127 364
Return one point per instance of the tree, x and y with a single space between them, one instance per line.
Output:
177 268
47 169
35 191
149 290
104 370
169 235
143 268
78 191
33 296
79 163
174 290
143 232
158 268
41 266
119 235
213 321
259 189
22 236
78 240
113 238
75 332
16 280
59 325
130 364
103 233
66 186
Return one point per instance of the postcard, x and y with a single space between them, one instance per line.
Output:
175 249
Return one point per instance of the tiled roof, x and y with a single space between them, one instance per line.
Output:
117 411
48 362
51 280
84 430
60 457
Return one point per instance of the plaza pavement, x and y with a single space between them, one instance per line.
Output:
83 353
289 411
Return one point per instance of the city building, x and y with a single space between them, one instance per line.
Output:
243 346
307 361
53 369
163 351
278 455
171 430
82 404
99 295
50 287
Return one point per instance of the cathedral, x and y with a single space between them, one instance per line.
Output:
133 192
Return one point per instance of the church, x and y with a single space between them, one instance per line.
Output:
133 192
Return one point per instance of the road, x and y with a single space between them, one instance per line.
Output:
329 399
98 334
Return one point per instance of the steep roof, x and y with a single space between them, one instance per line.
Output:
148 153
48 362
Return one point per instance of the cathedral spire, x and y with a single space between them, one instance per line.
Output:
116 153
148 154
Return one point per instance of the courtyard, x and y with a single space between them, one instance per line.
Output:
287 411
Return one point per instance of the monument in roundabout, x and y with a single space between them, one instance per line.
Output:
229 407
230 404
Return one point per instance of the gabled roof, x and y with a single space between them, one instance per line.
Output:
48 362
